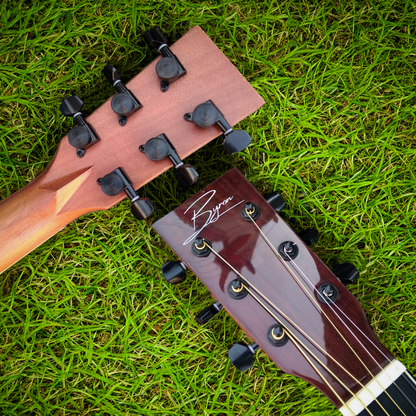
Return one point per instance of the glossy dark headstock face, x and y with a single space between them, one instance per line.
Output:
336 349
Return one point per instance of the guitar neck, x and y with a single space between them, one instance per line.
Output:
37 212
284 298
391 392
69 189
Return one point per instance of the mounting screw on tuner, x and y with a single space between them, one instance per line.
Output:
207 114
174 272
276 201
347 273
208 313
168 69
241 355
81 136
159 148
115 182
124 104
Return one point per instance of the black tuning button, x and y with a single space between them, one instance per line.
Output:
276 201
124 104
347 273
241 355
115 182
81 136
207 114
174 271
204 316
160 147
309 236
168 69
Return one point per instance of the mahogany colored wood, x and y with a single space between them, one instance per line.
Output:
68 188
215 214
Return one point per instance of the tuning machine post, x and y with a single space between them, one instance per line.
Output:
207 114
124 104
160 147
81 136
115 182
169 69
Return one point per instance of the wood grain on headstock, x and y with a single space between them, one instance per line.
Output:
241 244
68 188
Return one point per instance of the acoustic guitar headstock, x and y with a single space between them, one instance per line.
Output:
268 279
176 105
154 121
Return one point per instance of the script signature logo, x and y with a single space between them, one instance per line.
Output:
211 215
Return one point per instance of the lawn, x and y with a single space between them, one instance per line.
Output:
88 326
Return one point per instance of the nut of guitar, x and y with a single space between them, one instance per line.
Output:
282 295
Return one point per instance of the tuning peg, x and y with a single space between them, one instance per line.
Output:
174 271
207 114
347 273
309 236
204 316
115 182
276 201
168 69
81 136
160 147
124 103
241 355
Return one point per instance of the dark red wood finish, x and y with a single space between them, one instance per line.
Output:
218 219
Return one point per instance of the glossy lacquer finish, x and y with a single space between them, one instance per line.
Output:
68 188
215 214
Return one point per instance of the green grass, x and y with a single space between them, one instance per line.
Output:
88 325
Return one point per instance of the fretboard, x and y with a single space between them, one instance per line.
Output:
392 392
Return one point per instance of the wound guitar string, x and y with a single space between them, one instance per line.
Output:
298 344
305 334
330 303
311 338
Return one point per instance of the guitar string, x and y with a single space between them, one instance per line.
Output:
323 378
304 333
368 339
269 243
293 337
349 329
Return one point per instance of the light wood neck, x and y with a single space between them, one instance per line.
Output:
68 188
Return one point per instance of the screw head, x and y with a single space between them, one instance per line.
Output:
81 152
164 86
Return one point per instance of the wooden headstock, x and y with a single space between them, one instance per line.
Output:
68 188
326 339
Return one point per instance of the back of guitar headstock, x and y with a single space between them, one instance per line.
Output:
282 295
209 76
161 116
